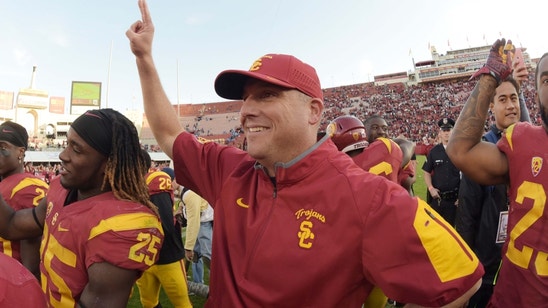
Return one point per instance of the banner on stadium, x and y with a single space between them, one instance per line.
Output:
32 98
57 104
6 100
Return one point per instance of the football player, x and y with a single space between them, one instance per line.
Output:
517 159
169 271
20 190
100 230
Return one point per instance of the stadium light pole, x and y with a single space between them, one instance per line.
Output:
178 102
108 75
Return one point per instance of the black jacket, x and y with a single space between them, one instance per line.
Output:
478 218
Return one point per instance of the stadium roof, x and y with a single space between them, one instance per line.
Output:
41 157
424 63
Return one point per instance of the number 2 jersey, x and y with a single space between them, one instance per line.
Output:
21 191
382 157
523 276
97 229
161 194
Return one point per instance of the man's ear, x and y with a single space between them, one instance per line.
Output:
104 165
316 111
21 153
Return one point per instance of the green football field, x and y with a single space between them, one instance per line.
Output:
419 186
198 302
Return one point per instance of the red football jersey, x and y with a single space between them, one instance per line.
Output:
158 182
22 190
383 157
407 171
97 229
523 277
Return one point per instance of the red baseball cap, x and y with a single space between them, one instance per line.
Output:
282 70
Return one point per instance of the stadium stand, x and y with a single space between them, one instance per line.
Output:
437 88
412 110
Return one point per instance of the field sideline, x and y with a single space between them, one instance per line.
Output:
198 302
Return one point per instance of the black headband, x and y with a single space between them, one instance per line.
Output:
14 134
95 128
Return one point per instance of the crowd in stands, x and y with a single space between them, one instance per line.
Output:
59 144
412 111
49 171
46 172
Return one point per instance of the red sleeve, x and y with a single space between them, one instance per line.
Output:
158 182
131 241
23 191
383 157
407 171
430 244
201 167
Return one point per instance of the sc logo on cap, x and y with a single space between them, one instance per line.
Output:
258 63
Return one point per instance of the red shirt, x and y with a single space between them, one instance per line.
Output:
322 235
407 171
523 277
21 191
158 182
97 229
382 157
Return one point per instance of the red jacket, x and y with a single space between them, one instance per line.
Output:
321 234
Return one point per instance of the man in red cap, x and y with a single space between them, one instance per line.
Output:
297 223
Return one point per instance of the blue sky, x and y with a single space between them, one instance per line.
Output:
347 41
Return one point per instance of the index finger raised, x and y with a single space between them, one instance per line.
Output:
145 13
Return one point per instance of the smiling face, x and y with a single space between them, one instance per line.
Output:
375 128
83 166
279 123
505 105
